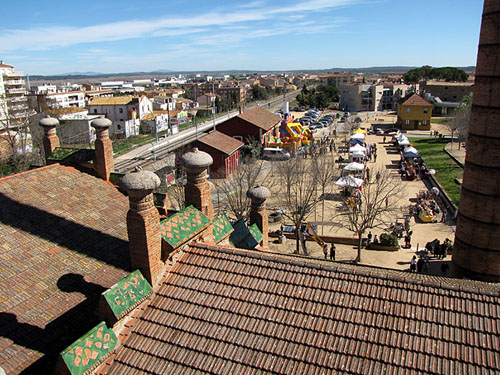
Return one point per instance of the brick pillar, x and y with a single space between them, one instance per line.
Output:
143 223
258 212
50 138
476 251
197 191
104 163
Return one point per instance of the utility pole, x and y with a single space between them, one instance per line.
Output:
213 106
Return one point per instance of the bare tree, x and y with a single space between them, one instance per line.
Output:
233 190
373 206
325 170
298 192
459 124
17 130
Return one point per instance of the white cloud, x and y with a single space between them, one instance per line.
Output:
47 38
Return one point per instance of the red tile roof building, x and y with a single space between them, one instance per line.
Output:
63 241
229 311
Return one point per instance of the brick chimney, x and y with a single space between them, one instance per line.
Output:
258 212
476 251
104 163
143 223
50 138
197 191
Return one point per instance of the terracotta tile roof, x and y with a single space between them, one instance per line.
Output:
114 100
228 311
63 241
221 142
66 110
261 117
416 100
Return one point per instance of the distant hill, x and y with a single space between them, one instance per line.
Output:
95 77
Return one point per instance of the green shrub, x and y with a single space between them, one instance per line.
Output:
387 239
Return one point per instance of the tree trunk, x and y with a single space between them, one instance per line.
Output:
297 240
360 241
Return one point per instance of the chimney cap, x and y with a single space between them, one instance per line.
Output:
48 122
139 180
258 193
196 159
102 123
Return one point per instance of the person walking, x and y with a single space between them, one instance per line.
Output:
386 202
332 251
325 250
413 264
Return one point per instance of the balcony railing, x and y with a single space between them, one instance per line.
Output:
14 74
16 99
16 91
15 82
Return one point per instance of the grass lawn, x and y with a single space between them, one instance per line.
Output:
431 150
440 120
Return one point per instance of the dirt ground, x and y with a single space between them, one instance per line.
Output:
422 232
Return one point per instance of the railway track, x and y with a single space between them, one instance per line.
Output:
157 151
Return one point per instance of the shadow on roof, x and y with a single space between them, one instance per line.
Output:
60 332
66 233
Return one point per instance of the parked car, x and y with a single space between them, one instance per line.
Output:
275 153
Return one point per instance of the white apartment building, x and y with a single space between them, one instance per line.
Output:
13 102
356 97
124 111
66 99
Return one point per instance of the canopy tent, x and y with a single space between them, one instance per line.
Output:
399 137
356 156
357 149
354 167
410 152
356 141
358 136
404 141
360 131
349 181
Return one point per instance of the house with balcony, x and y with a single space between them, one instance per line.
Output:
124 111
414 113
13 100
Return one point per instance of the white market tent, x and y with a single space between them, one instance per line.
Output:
358 136
404 141
410 152
354 167
349 181
357 149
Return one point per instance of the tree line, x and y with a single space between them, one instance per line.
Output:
318 97
447 74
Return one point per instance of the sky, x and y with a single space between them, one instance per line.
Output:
118 36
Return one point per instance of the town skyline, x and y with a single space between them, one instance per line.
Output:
258 36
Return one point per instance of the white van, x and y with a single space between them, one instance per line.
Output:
275 153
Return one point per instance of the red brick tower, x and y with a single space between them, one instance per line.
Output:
197 191
50 138
143 223
476 252
258 212
104 163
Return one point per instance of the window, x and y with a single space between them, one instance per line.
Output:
121 110
95 110
426 109
119 127
408 110
424 122
407 122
